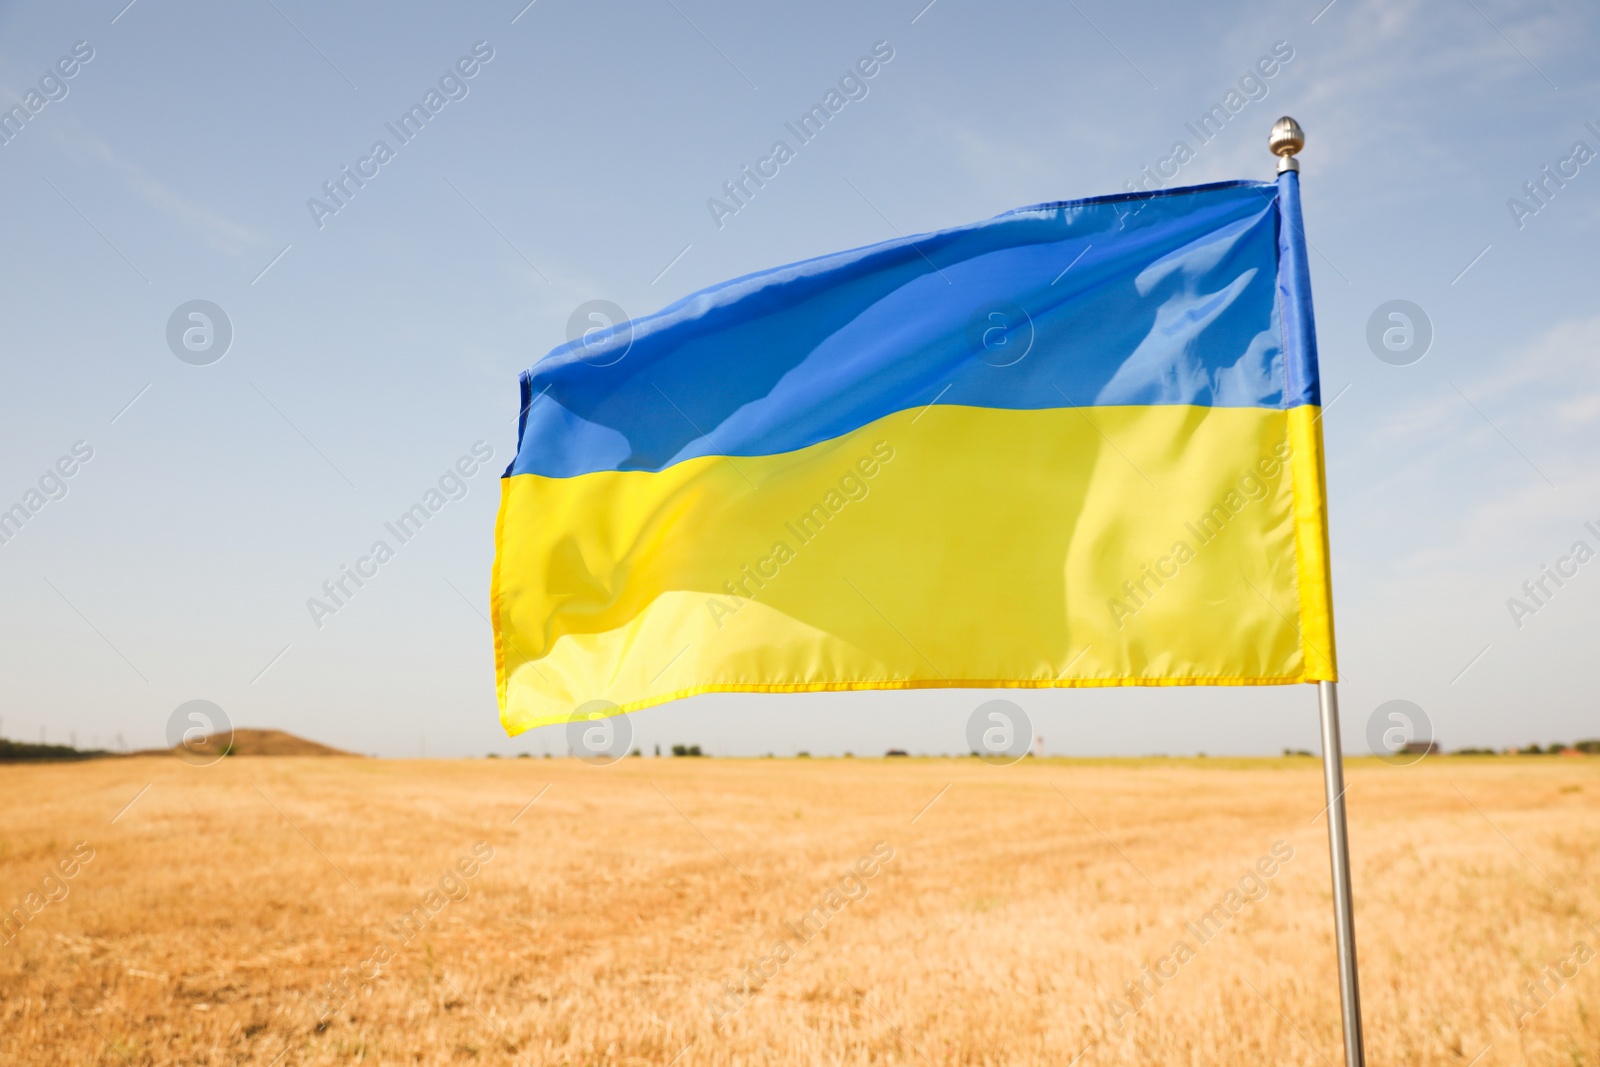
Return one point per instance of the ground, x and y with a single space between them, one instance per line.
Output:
828 911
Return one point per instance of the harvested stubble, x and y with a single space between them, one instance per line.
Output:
222 909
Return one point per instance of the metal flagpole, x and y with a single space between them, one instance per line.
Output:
1286 139
1344 923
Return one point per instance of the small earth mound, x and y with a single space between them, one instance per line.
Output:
247 742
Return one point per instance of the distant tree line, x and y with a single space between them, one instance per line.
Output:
19 752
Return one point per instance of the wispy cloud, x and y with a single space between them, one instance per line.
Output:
1545 396
210 225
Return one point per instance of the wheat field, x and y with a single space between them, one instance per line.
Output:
829 911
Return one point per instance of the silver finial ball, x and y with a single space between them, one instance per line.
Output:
1285 140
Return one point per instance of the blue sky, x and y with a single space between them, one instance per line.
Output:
373 347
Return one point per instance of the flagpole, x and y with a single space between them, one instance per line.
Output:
1344 923
1286 139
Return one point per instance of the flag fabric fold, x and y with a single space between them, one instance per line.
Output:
1078 444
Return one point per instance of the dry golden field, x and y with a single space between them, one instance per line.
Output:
290 911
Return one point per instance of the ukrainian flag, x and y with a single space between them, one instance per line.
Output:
1074 445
